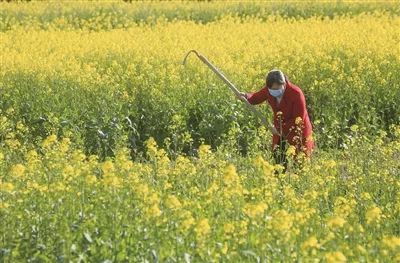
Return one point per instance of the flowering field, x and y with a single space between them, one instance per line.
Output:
112 151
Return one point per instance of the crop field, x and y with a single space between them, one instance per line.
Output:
112 150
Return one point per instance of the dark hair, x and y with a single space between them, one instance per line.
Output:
275 76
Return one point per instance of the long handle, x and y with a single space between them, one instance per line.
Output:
231 86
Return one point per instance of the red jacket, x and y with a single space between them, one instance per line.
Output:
292 106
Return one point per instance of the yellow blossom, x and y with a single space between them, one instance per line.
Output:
204 150
172 202
18 170
6 187
202 228
153 211
282 221
336 222
4 205
374 214
224 248
187 223
230 176
311 242
51 139
392 242
107 167
291 150
229 228
335 257
255 210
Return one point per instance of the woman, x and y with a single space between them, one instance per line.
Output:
291 121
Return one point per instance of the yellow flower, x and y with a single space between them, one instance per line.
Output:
330 164
4 205
6 187
68 171
344 207
64 146
232 182
224 248
142 190
49 141
13 143
230 176
336 222
78 156
32 157
172 202
374 214
354 128
188 222
107 167
255 210
202 228
37 187
153 211
91 179
228 228
204 151
291 150
391 242
264 165
125 95
167 186
282 221
58 187
18 170
152 149
243 227
361 249
312 242
112 181
366 196
212 189
152 198
335 257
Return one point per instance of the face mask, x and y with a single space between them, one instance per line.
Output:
276 92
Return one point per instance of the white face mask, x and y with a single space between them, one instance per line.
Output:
276 92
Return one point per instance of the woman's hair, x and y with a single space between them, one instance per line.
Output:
275 76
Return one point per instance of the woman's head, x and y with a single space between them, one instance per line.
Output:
275 79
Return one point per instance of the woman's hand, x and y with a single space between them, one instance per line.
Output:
242 96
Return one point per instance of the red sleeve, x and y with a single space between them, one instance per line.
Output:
257 97
299 110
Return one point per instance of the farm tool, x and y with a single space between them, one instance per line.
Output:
231 86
